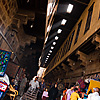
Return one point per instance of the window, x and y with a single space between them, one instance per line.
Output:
89 18
71 39
66 46
68 42
99 15
78 30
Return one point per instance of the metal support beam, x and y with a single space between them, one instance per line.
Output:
8 45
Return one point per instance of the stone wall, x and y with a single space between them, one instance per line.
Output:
8 9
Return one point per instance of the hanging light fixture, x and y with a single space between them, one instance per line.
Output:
70 8
52 47
50 51
59 31
49 54
54 43
63 22
56 37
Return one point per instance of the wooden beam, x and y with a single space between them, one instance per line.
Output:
96 41
71 63
82 57
77 72
65 67
96 38
80 53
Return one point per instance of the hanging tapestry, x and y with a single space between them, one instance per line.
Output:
4 58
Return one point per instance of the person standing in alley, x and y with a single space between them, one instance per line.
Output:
45 95
33 85
69 92
22 85
75 95
53 93
42 87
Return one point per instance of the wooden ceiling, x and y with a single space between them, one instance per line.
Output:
72 18
39 7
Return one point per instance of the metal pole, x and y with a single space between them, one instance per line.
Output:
8 45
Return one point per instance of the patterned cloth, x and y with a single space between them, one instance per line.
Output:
82 84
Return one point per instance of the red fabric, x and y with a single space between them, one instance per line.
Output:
79 90
63 98
64 95
44 98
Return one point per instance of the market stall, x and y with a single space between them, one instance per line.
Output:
4 79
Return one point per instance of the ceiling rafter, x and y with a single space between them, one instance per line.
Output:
80 2
67 17
65 29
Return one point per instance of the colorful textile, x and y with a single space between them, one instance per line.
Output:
93 84
4 58
3 86
1 93
5 79
82 84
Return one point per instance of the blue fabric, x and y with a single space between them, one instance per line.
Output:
1 93
85 96
4 59
42 86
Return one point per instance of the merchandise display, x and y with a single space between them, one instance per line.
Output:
4 58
